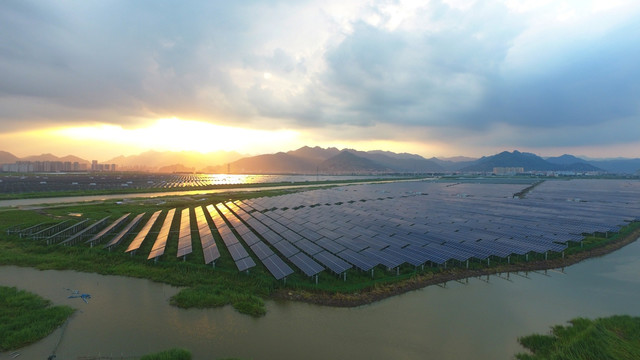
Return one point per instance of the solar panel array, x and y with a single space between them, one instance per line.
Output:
388 225
414 223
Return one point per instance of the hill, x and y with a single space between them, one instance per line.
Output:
619 166
530 162
307 160
154 160
7 158
346 162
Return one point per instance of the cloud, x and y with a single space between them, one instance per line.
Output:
486 70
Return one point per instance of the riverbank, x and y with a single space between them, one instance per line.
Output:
615 337
386 290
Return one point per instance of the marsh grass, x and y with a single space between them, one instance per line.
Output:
26 318
172 354
614 338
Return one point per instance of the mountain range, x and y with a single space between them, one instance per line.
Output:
312 160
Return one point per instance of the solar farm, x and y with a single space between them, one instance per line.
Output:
366 227
54 182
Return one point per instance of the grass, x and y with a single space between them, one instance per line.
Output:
614 338
26 318
172 354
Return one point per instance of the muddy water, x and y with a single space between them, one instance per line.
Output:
479 320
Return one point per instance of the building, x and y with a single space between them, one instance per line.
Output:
506 171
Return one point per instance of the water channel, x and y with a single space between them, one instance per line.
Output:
478 319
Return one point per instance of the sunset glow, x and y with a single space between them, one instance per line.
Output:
179 135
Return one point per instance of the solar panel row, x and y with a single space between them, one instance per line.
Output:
161 241
96 238
209 247
118 238
184 237
137 241
238 253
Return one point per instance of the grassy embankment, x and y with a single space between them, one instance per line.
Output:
616 337
26 318
204 286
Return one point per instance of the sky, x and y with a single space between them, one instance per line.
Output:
99 79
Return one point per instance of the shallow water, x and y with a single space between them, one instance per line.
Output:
479 320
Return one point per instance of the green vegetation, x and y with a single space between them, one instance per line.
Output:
26 318
172 354
615 338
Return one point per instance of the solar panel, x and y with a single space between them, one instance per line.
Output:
385 259
116 240
261 250
332 262
96 238
278 268
308 247
161 241
306 264
245 264
358 260
137 241
184 238
286 248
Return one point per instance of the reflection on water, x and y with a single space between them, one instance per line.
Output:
478 320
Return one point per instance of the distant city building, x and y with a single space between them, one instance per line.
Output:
95 166
508 170
44 166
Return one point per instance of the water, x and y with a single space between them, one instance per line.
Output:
477 320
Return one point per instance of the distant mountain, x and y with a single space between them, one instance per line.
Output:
619 166
530 162
7 158
396 156
346 162
315 154
453 165
279 163
51 157
307 160
154 160
400 162
458 159
176 168
566 159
